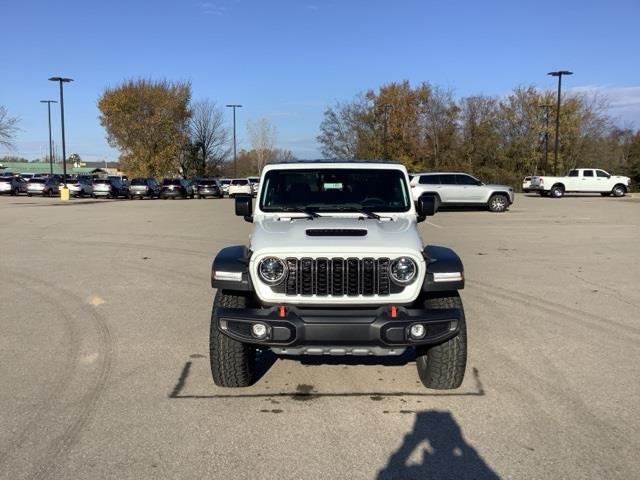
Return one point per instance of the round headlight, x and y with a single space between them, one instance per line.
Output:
403 270
272 270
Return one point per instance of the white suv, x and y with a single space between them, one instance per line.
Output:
462 190
336 266
239 186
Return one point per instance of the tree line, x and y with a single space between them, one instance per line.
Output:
494 138
160 131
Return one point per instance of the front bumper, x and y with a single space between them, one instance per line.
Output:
296 327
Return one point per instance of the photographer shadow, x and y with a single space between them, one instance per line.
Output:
444 453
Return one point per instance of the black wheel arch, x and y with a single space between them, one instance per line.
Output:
441 260
232 259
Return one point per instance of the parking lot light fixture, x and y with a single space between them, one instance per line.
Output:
49 102
62 80
235 159
559 74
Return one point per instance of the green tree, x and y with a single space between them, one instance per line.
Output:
148 122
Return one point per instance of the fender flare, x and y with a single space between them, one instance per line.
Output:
232 260
442 260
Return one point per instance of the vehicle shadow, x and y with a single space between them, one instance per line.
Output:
436 449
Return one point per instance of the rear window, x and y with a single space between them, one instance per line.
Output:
139 181
171 181
239 182
37 180
225 182
208 182
101 181
5 179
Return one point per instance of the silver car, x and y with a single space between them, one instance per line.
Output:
462 190
46 187
12 185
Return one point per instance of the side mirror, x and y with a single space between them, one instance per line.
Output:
479 183
244 206
426 206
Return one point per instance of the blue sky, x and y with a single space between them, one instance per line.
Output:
288 60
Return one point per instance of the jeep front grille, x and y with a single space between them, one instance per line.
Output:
336 276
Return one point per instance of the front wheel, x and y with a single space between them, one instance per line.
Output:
619 191
498 203
442 366
233 363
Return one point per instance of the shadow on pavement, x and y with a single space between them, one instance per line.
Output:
435 449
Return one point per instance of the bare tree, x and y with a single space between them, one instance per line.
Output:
208 136
262 134
8 128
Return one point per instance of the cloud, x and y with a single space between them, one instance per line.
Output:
624 102
211 8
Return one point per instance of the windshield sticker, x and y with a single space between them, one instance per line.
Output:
332 186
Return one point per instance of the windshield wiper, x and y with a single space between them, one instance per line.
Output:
351 208
305 210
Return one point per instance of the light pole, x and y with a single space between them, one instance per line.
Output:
546 107
49 102
235 159
559 74
386 108
62 80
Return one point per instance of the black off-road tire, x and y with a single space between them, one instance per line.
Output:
442 366
233 363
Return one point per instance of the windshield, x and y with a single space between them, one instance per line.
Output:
334 190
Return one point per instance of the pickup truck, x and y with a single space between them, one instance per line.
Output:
581 180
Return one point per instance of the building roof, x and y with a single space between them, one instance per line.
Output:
41 167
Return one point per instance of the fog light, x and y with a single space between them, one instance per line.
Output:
259 330
417 331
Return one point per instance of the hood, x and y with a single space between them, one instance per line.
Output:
335 235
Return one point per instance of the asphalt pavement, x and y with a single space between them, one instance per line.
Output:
105 309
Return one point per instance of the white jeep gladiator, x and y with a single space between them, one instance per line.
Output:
581 180
335 266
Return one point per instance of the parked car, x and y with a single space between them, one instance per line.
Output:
239 186
582 180
28 176
462 190
12 185
209 188
80 187
176 187
43 186
526 184
224 183
255 184
144 187
110 187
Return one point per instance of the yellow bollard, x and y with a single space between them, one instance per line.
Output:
64 193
